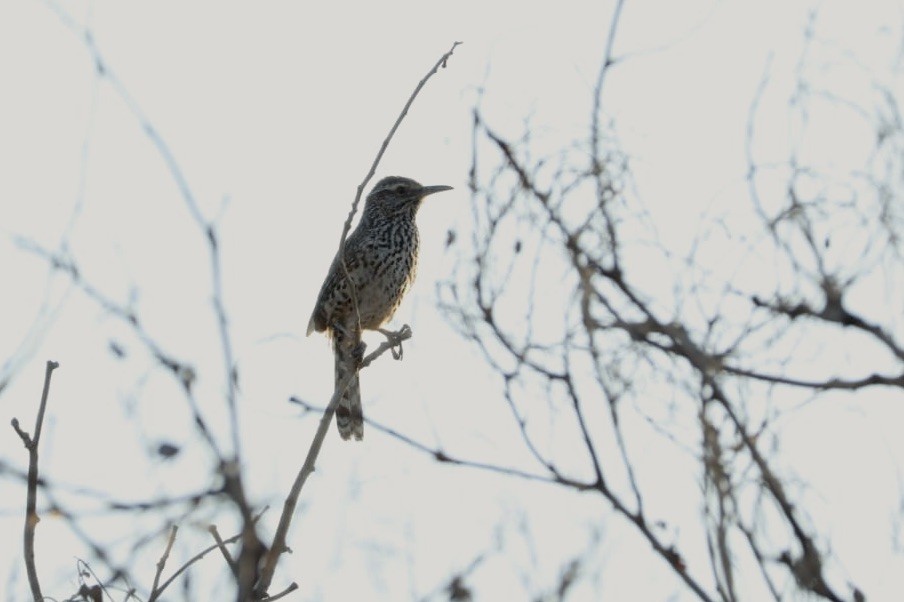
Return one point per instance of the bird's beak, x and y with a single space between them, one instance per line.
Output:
431 189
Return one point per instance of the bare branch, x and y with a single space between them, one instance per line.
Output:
31 514
229 365
181 371
155 595
292 587
340 254
279 539
872 380
385 144
285 520
230 561
445 458
162 562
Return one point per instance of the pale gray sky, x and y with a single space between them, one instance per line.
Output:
274 112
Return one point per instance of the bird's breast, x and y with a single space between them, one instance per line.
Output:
389 259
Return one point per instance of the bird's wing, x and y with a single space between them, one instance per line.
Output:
332 283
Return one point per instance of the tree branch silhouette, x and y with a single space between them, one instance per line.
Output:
31 514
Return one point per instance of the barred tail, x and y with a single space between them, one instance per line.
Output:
349 414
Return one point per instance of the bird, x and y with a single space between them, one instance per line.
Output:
380 264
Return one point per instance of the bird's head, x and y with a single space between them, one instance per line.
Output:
396 194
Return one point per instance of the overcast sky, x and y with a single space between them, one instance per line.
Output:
274 112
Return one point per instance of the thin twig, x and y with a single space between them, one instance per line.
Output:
373 169
871 380
162 562
99 589
31 515
441 456
225 339
292 587
608 61
155 595
181 371
212 529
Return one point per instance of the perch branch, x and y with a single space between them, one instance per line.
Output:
279 539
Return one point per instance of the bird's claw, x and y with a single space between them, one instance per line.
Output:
358 352
395 339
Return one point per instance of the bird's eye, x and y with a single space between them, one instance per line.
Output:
400 188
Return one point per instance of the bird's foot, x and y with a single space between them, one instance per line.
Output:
358 353
395 339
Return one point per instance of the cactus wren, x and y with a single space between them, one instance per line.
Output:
381 262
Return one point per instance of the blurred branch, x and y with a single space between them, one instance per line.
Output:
105 71
207 228
31 515
181 371
455 589
230 467
443 457
834 312
155 594
605 66
717 484
709 352
229 365
831 383
95 592
230 561
810 556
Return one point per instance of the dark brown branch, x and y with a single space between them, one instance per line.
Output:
31 515
292 587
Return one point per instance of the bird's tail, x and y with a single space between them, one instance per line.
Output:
349 414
